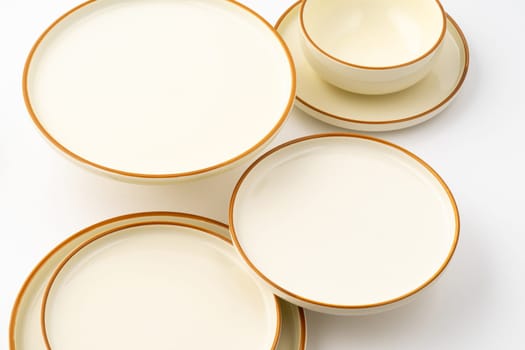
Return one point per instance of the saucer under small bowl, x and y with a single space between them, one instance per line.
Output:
155 90
375 113
25 330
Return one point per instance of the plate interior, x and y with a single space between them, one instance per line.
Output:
151 285
344 221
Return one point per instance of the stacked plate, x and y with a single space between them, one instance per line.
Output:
158 90
147 280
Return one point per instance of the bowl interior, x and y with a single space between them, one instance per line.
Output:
374 33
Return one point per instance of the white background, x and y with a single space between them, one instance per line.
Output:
477 146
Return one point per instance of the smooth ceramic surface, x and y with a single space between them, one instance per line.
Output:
159 88
373 46
343 224
154 283
404 109
25 330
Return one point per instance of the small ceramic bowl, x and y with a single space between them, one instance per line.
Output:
375 46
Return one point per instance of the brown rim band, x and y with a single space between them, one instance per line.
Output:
261 275
77 157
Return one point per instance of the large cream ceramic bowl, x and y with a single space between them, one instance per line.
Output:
344 224
159 89
374 46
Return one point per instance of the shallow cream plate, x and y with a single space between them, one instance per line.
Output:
25 331
378 113
343 224
149 284
159 88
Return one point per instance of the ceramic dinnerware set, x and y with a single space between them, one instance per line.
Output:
169 90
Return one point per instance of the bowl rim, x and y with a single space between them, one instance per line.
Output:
316 303
115 171
432 50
